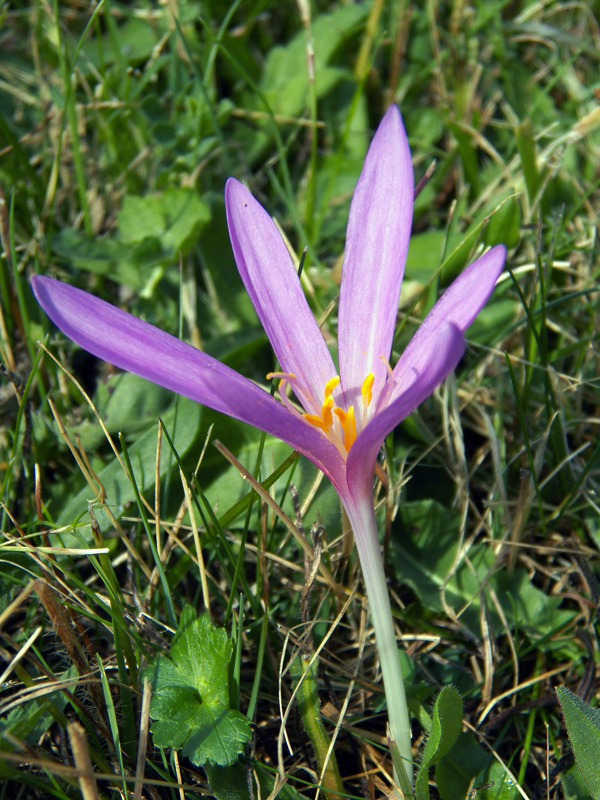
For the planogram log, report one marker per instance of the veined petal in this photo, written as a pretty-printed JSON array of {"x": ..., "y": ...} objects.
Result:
[
  {"x": 377, "y": 239},
  {"x": 134, "y": 345},
  {"x": 434, "y": 367},
  {"x": 274, "y": 287},
  {"x": 459, "y": 304}
]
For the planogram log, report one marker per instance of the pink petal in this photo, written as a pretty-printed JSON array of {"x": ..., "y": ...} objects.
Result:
[
  {"x": 376, "y": 245},
  {"x": 134, "y": 345},
  {"x": 459, "y": 305},
  {"x": 274, "y": 287}
]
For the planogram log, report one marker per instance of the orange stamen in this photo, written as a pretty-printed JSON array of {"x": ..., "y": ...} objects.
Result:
[
  {"x": 315, "y": 420},
  {"x": 348, "y": 423},
  {"x": 326, "y": 412},
  {"x": 367, "y": 389},
  {"x": 285, "y": 375},
  {"x": 330, "y": 386}
]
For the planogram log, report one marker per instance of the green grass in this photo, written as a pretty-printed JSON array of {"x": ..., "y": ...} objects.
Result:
[{"x": 118, "y": 130}]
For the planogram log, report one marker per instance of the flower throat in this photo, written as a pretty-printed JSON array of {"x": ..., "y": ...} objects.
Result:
[{"x": 345, "y": 438}]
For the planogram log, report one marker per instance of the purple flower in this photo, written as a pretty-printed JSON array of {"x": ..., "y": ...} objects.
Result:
[{"x": 344, "y": 417}]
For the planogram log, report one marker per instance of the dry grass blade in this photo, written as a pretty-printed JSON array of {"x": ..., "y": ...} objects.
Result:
[
  {"x": 85, "y": 773},
  {"x": 143, "y": 740},
  {"x": 20, "y": 655},
  {"x": 16, "y": 603},
  {"x": 342, "y": 713},
  {"x": 284, "y": 715},
  {"x": 266, "y": 497},
  {"x": 197, "y": 545},
  {"x": 521, "y": 686}
]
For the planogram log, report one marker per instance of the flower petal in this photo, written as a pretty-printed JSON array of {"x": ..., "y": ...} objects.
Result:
[
  {"x": 377, "y": 239},
  {"x": 274, "y": 287},
  {"x": 459, "y": 304},
  {"x": 434, "y": 367},
  {"x": 134, "y": 345}
]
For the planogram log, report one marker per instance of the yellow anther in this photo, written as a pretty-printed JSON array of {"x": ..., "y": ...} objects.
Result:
[
  {"x": 326, "y": 413},
  {"x": 367, "y": 389},
  {"x": 330, "y": 386},
  {"x": 348, "y": 423},
  {"x": 315, "y": 420},
  {"x": 388, "y": 366},
  {"x": 286, "y": 376}
]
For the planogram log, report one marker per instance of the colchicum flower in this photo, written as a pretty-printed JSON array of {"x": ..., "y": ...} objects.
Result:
[{"x": 345, "y": 415}]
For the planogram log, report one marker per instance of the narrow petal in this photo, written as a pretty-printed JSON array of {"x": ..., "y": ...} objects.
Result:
[
  {"x": 459, "y": 304},
  {"x": 434, "y": 367},
  {"x": 274, "y": 287},
  {"x": 134, "y": 345},
  {"x": 377, "y": 239}
]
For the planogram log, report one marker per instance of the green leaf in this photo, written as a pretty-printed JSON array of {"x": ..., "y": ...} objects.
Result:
[
  {"x": 445, "y": 729},
  {"x": 505, "y": 225},
  {"x": 127, "y": 404},
  {"x": 175, "y": 217},
  {"x": 423, "y": 553},
  {"x": 151, "y": 232},
  {"x": 455, "y": 771},
  {"x": 134, "y": 41},
  {"x": 573, "y": 785},
  {"x": 285, "y": 78},
  {"x": 502, "y": 786},
  {"x": 583, "y": 727},
  {"x": 104, "y": 257},
  {"x": 424, "y": 255},
  {"x": 190, "y": 696}
]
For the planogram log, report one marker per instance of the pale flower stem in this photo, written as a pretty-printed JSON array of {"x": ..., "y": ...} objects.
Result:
[{"x": 362, "y": 519}]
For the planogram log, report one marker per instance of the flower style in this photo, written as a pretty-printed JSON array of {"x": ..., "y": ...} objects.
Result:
[{"x": 344, "y": 416}]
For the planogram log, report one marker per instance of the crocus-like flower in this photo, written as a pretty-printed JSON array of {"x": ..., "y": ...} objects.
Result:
[{"x": 342, "y": 416}]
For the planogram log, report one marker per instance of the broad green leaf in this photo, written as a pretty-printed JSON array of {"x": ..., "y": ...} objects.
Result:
[
  {"x": 183, "y": 420},
  {"x": 445, "y": 729},
  {"x": 236, "y": 349},
  {"x": 151, "y": 232},
  {"x": 285, "y": 77},
  {"x": 573, "y": 785},
  {"x": 134, "y": 41},
  {"x": 140, "y": 218},
  {"x": 175, "y": 216},
  {"x": 502, "y": 786},
  {"x": 583, "y": 727},
  {"x": 423, "y": 553},
  {"x": 455, "y": 771},
  {"x": 504, "y": 226},
  {"x": 424, "y": 125},
  {"x": 493, "y": 319},
  {"x": 424, "y": 255},
  {"x": 228, "y": 783},
  {"x": 106, "y": 257},
  {"x": 190, "y": 696},
  {"x": 127, "y": 404}
]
